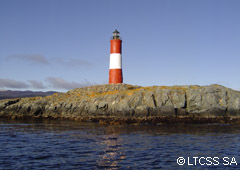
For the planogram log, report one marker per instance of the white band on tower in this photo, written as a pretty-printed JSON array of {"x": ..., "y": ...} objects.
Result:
[{"x": 115, "y": 61}]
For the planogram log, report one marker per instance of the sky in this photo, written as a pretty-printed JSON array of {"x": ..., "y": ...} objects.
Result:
[{"x": 65, "y": 44}]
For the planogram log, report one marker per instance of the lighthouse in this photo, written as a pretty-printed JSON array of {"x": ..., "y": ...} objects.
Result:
[{"x": 115, "y": 66}]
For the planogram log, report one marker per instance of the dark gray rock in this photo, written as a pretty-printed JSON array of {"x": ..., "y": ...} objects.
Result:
[{"x": 123, "y": 100}]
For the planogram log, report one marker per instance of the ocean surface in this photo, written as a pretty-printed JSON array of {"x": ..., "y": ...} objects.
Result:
[{"x": 67, "y": 145}]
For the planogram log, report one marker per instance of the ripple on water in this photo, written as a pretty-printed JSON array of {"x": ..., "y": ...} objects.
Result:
[{"x": 69, "y": 145}]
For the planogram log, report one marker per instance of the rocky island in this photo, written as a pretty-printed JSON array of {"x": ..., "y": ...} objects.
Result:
[{"x": 123, "y": 103}]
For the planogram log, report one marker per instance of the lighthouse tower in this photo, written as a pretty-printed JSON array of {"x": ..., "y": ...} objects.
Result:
[{"x": 115, "y": 67}]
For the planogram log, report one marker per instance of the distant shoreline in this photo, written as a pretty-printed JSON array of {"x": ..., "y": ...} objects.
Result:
[{"x": 10, "y": 94}]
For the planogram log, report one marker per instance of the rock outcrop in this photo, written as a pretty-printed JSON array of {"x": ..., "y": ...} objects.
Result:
[{"x": 130, "y": 103}]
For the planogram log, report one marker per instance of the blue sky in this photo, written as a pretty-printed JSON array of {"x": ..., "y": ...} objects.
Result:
[{"x": 64, "y": 44}]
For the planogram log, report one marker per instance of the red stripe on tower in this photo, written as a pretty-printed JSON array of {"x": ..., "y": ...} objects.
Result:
[{"x": 115, "y": 67}]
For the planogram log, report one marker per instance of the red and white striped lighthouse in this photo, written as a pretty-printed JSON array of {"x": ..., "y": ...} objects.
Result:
[{"x": 115, "y": 67}]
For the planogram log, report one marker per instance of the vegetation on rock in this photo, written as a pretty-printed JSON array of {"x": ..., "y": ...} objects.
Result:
[{"x": 130, "y": 103}]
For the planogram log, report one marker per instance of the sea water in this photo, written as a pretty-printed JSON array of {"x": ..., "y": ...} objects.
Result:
[{"x": 68, "y": 145}]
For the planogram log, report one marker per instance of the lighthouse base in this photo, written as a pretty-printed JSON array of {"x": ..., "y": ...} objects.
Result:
[{"x": 115, "y": 76}]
